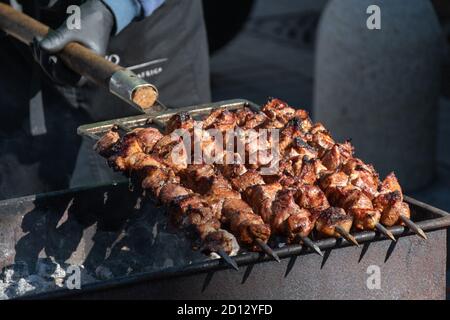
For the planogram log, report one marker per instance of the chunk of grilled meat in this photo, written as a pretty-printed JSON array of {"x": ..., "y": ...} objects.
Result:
[
  {"x": 219, "y": 240},
  {"x": 198, "y": 177},
  {"x": 283, "y": 173},
  {"x": 155, "y": 178},
  {"x": 171, "y": 192},
  {"x": 362, "y": 176},
  {"x": 312, "y": 198},
  {"x": 260, "y": 198},
  {"x": 308, "y": 170},
  {"x": 320, "y": 139},
  {"x": 192, "y": 214},
  {"x": 192, "y": 210},
  {"x": 357, "y": 204},
  {"x": 247, "y": 119},
  {"x": 330, "y": 218},
  {"x": 246, "y": 180},
  {"x": 172, "y": 151},
  {"x": 183, "y": 121},
  {"x": 288, "y": 218},
  {"x": 132, "y": 148},
  {"x": 337, "y": 156},
  {"x": 231, "y": 171},
  {"x": 334, "y": 180},
  {"x": 294, "y": 134},
  {"x": 105, "y": 145},
  {"x": 278, "y": 113},
  {"x": 298, "y": 148},
  {"x": 244, "y": 223},
  {"x": 391, "y": 214},
  {"x": 220, "y": 119},
  {"x": 390, "y": 202}
]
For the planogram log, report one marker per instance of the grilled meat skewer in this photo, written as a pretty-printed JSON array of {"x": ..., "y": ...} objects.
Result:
[
  {"x": 236, "y": 215},
  {"x": 194, "y": 216}
]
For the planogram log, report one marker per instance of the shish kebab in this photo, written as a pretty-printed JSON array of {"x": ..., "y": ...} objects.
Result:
[
  {"x": 388, "y": 206},
  {"x": 318, "y": 138},
  {"x": 199, "y": 214},
  {"x": 273, "y": 202},
  {"x": 300, "y": 222}
]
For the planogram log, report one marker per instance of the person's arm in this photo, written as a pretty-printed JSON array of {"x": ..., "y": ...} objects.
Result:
[
  {"x": 126, "y": 11},
  {"x": 100, "y": 19}
]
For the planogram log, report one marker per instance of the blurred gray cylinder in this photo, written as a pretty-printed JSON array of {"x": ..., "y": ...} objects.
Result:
[{"x": 380, "y": 87}]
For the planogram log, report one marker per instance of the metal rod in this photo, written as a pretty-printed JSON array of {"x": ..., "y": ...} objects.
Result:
[
  {"x": 347, "y": 236},
  {"x": 227, "y": 259},
  {"x": 268, "y": 250},
  {"x": 414, "y": 227},
  {"x": 385, "y": 231},
  {"x": 308, "y": 242}
]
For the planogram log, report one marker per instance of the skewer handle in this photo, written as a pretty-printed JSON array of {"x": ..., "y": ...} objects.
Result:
[{"x": 82, "y": 60}]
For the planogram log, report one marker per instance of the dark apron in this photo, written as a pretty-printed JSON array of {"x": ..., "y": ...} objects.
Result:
[{"x": 168, "y": 49}]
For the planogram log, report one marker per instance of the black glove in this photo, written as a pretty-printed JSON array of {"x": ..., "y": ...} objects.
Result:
[{"x": 97, "y": 23}]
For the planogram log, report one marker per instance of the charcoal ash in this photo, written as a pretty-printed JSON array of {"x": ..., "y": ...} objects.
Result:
[{"x": 16, "y": 280}]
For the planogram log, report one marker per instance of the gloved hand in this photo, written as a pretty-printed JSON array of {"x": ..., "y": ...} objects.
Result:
[{"x": 97, "y": 23}]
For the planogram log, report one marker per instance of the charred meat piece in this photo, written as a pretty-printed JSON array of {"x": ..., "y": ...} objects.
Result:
[
  {"x": 154, "y": 178},
  {"x": 260, "y": 198},
  {"x": 312, "y": 198},
  {"x": 105, "y": 145},
  {"x": 390, "y": 202},
  {"x": 139, "y": 141},
  {"x": 214, "y": 241},
  {"x": 278, "y": 112},
  {"x": 244, "y": 223},
  {"x": 298, "y": 148},
  {"x": 288, "y": 218},
  {"x": 172, "y": 152},
  {"x": 337, "y": 156},
  {"x": 288, "y": 134},
  {"x": 198, "y": 177},
  {"x": 220, "y": 119},
  {"x": 172, "y": 192},
  {"x": 246, "y": 180},
  {"x": 299, "y": 224},
  {"x": 247, "y": 119},
  {"x": 366, "y": 181},
  {"x": 231, "y": 171},
  {"x": 183, "y": 121},
  {"x": 391, "y": 214},
  {"x": 192, "y": 210},
  {"x": 336, "y": 179},
  {"x": 147, "y": 137},
  {"x": 278, "y": 172},
  {"x": 322, "y": 141},
  {"x": 330, "y": 218},
  {"x": 391, "y": 184},
  {"x": 308, "y": 170},
  {"x": 357, "y": 204}
]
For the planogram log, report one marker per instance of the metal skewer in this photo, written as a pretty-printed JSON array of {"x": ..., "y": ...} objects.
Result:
[
  {"x": 347, "y": 236},
  {"x": 227, "y": 259},
  {"x": 308, "y": 242},
  {"x": 414, "y": 227},
  {"x": 385, "y": 231},
  {"x": 268, "y": 250}
]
